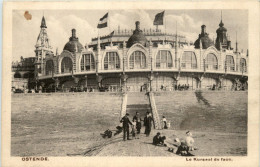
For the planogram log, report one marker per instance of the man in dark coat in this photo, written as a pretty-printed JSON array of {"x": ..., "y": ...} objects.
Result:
[
  {"x": 138, "y": 122},
  {"x": 125, "y": 120},
  {"x": 148, "y": 123},
  {"x": 157, "y": 139}
]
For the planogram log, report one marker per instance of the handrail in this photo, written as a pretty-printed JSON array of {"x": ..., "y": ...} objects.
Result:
[
  {"x": 123, "y": 106},
  {"x": 156, "y": 117}
]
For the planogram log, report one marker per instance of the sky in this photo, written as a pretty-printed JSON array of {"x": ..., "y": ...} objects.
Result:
[{"x": 60, "y": 22}]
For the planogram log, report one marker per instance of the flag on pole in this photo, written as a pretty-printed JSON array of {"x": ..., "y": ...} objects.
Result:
[
  {"x": 103, "y": 21},
  {"x": 158, "y": 20},
  {"x": 112, "y": 34}
]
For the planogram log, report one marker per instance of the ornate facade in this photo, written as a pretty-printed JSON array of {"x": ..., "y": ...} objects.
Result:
[{"x": 141, "y": 60}]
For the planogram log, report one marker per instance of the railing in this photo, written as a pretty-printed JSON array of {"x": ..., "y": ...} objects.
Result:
[
  {"x": 123, "y": 106},
  {"x": 146, "y": 32},
  {"x": 188, "y": 66},
  {"x": 156, "y": 117},
  {"x": 211, "y": 67},
  {"x": 31, "y": 68}
]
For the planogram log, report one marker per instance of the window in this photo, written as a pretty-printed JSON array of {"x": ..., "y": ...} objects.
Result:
[
  {"x": 164, "y": 59},
  {"x": 230, "y": 64},
  {"x": 49, "y": 67},
  {"x": 137, "y": 60},
  {"x": 66, "y": 65},
  {"x": 111, "y": 61},
  {"x": 243, "y": 67},
  {"x": 87, "y": 62},
  {"x": 189, "y": 60},
  {"x": 211, "y": 62}
]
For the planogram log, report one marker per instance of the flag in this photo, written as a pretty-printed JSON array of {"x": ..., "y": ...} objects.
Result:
[
  {"x": 103, "y": 21},
  {"x": 111, "y": 34},
  {"x": 158, "y": 20}
]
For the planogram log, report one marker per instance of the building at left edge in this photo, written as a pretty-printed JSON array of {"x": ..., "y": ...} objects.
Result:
[{"x": 134, "y": 60}]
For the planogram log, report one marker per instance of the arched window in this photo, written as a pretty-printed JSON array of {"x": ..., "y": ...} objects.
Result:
[
  {"x": 49, "y": 67},
  {"x": 137, "y": 60},
  {"x": 111, "y": 61},
  {"x": 17, "y": 75},
  {"x": 66, "y": 65},
  {"x": 230, "y": 64},
  {"x": 87, "y": 62},
  {"x": 189, "y": 60},
  {"x": 211, "y": 62},
  {"x": 243, "y": 67},
  {"x": 28, "y": 75},
  {"x": 164, "y": 59}
]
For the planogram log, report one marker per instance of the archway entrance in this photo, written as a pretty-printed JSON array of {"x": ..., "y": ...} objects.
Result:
[
  {"x": 137, "y": 84},
  {"x": 66, "y": 65}
]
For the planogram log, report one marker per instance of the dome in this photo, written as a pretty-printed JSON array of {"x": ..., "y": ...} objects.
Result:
[
  {"x": 221, "y": 27},
  {"x": 137, "y": 37},
  {"x": 73, "y": 45},
  {"x": 204, "y": 38}
]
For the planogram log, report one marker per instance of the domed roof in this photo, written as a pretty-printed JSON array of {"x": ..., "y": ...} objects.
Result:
[
  {"x": 205, "y": 41},
  {"x": 73, "y": 45},
  {"x": 221, "y": 27},
  {"x": 204, "y": 38},
  {"x": 137, "y": 37}
]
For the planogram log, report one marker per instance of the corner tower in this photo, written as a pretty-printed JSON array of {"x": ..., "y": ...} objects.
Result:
[
  {"x": 42, "y": 48},
  {"x": 204, "y": 40},
  {"x": 221, "y": 40}
]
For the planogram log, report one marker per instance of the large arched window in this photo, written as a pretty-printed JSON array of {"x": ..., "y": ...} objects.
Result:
[
  {"x": 230, "y": 63},
  {"x": 28, "y": 75},
  {"x": 111, "y": 61},
  {"x": 211, "y": 62},
  {"x": 189, "y": 60},
  {"x": 17, "y": 75},
  {"x": 243, "y": 67},
  {"x": 137, "y": 60},
  {"x": 164, "y": 59},
  {"x": 66, "y": 65},
  {"x": 87, "y": 62},
  {"x": 49, "y": 67}
]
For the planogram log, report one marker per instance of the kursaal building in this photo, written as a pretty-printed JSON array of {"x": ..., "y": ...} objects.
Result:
[{"x": 141, "y": 60}]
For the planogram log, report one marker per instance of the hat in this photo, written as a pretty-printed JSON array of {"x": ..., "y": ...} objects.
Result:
[
  {"x": 177, "y": 140},
  {"x": 187, "y": 132},
  {"x": 126, "y": 114}
]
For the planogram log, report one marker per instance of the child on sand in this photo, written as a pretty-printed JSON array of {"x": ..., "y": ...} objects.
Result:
[{"x": 189, "y": 141}]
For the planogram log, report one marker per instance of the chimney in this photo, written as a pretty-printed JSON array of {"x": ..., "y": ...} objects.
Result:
[
  {"x": 203, "y": 29},
  {"x": 137, "y": 25},
  {"x": 73, "y": 33}
]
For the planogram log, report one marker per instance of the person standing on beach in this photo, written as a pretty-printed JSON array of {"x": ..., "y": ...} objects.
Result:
[
  {"x": 164, "y": 123},
  {"x": 138, "y": 120},
  {"x": 148, "y": 123},
  {"x": 125, "y": 120}
]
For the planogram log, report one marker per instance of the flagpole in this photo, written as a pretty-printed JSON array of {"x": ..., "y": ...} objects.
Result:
[
  {"x": 165, "y": 26},
  {"x": 108, "y": 22},
  {"x": 109, "y": 29},
  {"x": 98, "y": 52},
  {"x": 164, "y": 22}
]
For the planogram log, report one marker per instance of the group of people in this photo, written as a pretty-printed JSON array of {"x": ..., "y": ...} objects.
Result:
[
  {"x": 183, "y": 147},
  {"x": 182, "y": 87},
  {"x": 136, "y": 125}
]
